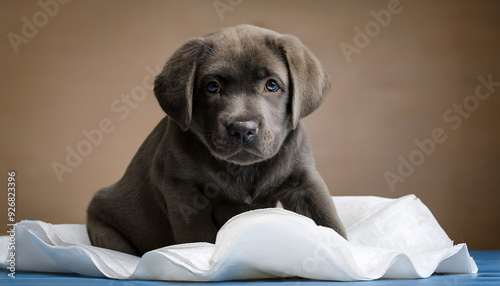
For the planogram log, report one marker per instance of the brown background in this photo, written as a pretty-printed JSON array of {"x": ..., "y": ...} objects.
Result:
[{"x": 396, "y": 90}]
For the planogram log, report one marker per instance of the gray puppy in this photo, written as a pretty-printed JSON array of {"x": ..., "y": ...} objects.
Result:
[{"x": 232, "y": 141}]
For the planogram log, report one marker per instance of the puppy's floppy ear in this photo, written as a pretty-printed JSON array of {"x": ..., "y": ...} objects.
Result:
[
  {"x": 174, "y": 86},
  {"x": 310, "y": 82}
]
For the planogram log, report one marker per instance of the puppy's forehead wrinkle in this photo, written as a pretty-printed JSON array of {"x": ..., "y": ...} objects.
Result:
[
  {"x": 261, "y": 73},
  {"x": 250, "y": 66}
]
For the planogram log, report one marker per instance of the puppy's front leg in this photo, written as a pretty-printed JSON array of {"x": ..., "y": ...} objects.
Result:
[
  {"x": 308, "y": 195},
  {"x": 102, "y": 235},
  {"x": 190, "y": 214}
]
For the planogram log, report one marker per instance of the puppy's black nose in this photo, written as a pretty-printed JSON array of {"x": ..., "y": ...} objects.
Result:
[{"x": 242, "y": 131}]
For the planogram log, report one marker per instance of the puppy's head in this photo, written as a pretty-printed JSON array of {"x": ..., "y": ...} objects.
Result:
[{"x": 241, "y": 90}]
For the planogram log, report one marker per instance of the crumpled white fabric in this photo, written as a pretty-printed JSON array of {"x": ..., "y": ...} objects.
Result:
[{"x": 387, "y": 238}]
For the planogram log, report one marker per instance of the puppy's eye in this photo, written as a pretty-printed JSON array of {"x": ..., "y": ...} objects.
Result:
[
  {"x": 271, "y": 86},
  {"x": 213, "y": 87}
]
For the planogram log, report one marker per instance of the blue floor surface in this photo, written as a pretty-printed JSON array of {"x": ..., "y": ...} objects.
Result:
[{"x": 488, "y": 263}]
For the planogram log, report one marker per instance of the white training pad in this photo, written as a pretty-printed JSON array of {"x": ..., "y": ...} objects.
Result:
[{"x": 388, "y": 238}]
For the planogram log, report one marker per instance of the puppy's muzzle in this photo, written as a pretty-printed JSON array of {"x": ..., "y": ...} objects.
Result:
[{"x": 242, "y": 132}]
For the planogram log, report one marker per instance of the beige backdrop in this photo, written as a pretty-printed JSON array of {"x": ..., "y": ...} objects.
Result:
[{"x": 402, "y": 73}]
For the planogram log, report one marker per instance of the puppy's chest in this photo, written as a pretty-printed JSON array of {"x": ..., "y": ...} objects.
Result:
[
  {"x": 239, "y": 184},
  {"x": 253, "y": 195},
  {"x": 237, "y": 200},
  {"x": 240, "y": 192}
]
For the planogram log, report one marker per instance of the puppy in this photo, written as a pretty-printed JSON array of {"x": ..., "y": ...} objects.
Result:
[{"x": 232, "y": 141}]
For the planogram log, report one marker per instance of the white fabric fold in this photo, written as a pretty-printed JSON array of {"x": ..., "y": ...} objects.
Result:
[{"x": 387, "y": 238}]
